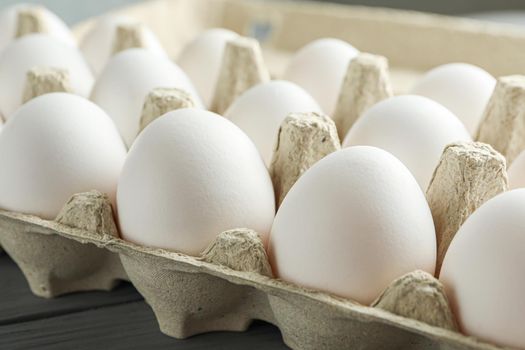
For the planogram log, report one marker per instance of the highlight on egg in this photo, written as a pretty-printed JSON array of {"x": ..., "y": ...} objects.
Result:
[
  {"x": 463, "y": 88},
  {"x": 99, "y": 44},
  {"x": 413, "y": 128},
  {"x": 260, "y": 110},
  {"x": 190, "y": 175},
  {"x": 44, "y": 21},
  {"x": 320, "y": 68},
  {"x": 351, "y": 224},
  {"x": 483, "y": 271},
  {"x": 127, "y": 79},
  {"x": 39, "y": 50},
  {"x": 54, "y": 146},
  {"x": 201, "y": 59}
]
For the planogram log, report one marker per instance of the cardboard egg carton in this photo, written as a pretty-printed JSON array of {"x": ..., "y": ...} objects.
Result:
[{"x": 230, "y": 284}]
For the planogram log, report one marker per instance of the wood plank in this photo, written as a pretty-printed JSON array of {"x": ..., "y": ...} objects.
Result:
[
  {"x": 18, "y": 304},
  {"x": 126, "y": 326}
]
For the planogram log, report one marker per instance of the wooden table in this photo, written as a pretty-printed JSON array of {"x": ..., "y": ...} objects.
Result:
[{"x": 101, "y": 320}]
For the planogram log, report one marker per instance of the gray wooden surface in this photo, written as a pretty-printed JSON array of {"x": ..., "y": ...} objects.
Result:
[{"x": 101, "y": 320}]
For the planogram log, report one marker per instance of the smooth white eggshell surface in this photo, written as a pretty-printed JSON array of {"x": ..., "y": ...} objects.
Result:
[
  {"x": 57, "y": 145},
  {"x": 320, "y": 68},
  {"x": 201, "y": 59},
  {"x": 413, "y": 128},
  {"x": 516, "y": 172},
  {"x": 54, "y": 26},
  {"x": 463, "y": 88},
  {"x": 260, "y": 111},
  {"x": 351, "y": 224},
  {"x": 483, "y": 271},
  {"x": 190, "y": 175},
  {"x": 127, "y": 79},
  {"x": 38, "y": 50},
  {"x": 97, "y": 45}
]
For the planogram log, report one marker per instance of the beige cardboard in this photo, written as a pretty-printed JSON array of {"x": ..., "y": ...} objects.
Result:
[
  {"x": 468, "y": 175},
  {"x": 191, "y": 296},
  {"x": 303, "y": 139}
]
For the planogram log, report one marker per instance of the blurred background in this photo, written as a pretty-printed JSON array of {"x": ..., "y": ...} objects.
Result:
[{"x": 510, "y": 11}]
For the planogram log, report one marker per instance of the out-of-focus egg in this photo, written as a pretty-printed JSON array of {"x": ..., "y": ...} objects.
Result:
[
  {"x": 483, "y": 271},
  {"x": 516, "y": 172},
  {"x": 52, "y": 24},
  {"x": 127, "y": 79},
  {"x": 320, "y": 68},
  {"x": 38, "y": 50},
  {"x": 351, "y": 224},
  {"x": 190, "y": 175},
  {"x": 413, "y": 128},
  {"x": 260, "y": 111},
  {"x": 57, "y": 145},
  {"x": 462, "y": 88},
  {"x": 98, "y": 44},
  {"x": 201, "y": 59}
]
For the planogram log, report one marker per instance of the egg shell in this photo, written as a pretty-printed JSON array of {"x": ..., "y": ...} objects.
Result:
[
  {"x": 463, "y": 88},
  {"x": 483, "y": 271},
  {"x": 201, "y": 59},
  {"x": 413, "y": 128},
  {"x": 260, "y": 111},
  {"x": 516, "y": 172},
  {"x": 122, "y": 87},
  {"x": 351, "y": 224},
  {"x": 54, "y": 26},
  {"x": 189, "y": 176},
  {"x": 320, "y": 68},
  {"x": 38, "y": 50},
  {"x": 54, "y": 146},
  {"x": 97, "y": 45}
]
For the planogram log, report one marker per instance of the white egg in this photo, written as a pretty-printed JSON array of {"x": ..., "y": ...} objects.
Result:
[
  {"x": 38, "y": 50},
  {"x": 483, "y": 271},
  {"x": 190, "y": 175},
  {"x": 415, "y": 129},
  {"x": 516, "y": 172},
  {"x": 127, "y": 79},
  {"x": 351, "y": 224},
  {"x": 462, "y": 88},
  {"x": 54, "y": 146},
  {"x": 201, "y": 59},
  {"x": 98, "y": 44},
  {"x": 260, "y": 111},
  {"x": 320, "y": 68},
  {"x": 53, "y": 25}
]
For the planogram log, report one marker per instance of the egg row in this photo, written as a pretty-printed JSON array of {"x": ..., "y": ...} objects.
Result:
[{"x": 350, "y": 225}]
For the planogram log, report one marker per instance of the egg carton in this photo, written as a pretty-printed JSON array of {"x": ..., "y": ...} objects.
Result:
[
  {"x": 192, "y": 295},
  {"x": 231, "y": 284}
]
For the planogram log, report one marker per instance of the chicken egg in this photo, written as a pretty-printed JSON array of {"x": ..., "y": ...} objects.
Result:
[
  {"x": 413, "y": 128},
  {"x": 54, "y": 146},
  {"x": 352, "y": 223},
  {"x": 483, "y": 271},
  {"x": 201, "y": 59},
  {"x": 320, "y": 68},
  {"x": 463, "y": 88},
  {"x": 98, "y": 44},
  {"x": 127, "y": 79},
  {"x": 38, "y": 50},
  {"x": 190, "y": 175},
  {"x": 259, "y": 111},
  {"x": 52, "y": 24}
]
